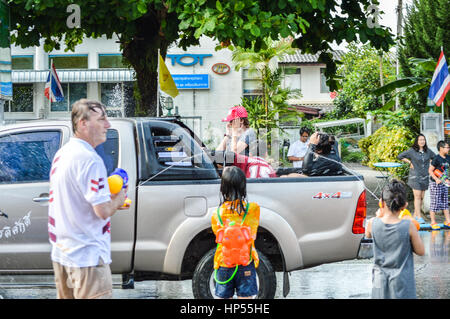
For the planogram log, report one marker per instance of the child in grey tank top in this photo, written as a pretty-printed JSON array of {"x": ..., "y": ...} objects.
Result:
[{"x": 394, "y": 241}]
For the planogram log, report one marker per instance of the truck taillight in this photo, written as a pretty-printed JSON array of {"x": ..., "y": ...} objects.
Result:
[{"x": 360, "y": 215}]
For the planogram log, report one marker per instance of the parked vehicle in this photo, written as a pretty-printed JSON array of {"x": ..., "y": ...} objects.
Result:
[{"x": 174, "y": 187}]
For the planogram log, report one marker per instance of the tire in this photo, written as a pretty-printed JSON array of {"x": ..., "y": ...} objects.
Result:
[{"x": 203, "y": 281}]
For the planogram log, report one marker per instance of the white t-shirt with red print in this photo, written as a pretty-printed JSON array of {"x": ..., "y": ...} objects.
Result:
[{"x": 78, "y": 182}]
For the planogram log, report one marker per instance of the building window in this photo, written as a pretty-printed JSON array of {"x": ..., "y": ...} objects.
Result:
[
  {"x": 111, "y": 61},
  {"x": 69, "y": 61},
  {"x": 22, "y": 99},
  {"x": 117, "y": 97},
  {"x": 22, "y": 62},
  {"x": 323, "y": 82},
  {"x": 251, "y": 84},
  {"x": 292, "y": 78},
  {"x": 72, "y": 92}
]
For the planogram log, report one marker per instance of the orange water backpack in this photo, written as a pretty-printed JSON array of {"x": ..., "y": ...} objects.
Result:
[{"x": 236, "y": 243}]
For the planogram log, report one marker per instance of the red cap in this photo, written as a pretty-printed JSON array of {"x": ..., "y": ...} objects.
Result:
[{"x": 235, "y": 112}]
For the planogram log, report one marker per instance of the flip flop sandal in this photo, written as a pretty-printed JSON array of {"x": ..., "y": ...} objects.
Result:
[{"x": 435, "y": 227}]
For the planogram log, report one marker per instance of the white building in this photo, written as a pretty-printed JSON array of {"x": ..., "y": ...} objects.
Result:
[{"x": 95, "y": 71}]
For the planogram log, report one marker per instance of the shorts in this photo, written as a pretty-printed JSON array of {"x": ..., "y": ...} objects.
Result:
[
  {"x": 83, "y": 283},
  {"x": 438, "y": 197},
  {"x": 244, "y": 282},
  {"x": 418, "y": 183}
]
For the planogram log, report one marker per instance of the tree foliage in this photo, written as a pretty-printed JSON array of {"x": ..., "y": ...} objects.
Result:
[
  {"x": 360, "y": 74},
  {"x": 425, "y": 32},
  {"x": 144, "y": 26},
  {"x": 408, "y": 86},
  {"x": 263, "y": 65}
]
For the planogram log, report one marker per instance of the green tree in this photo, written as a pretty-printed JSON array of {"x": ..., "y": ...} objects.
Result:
[
  {"x": 263, "y": 64},
  {"x": 144, "y": 26},
  {"x": 268, "y": 111},
  {"x": 425, "y": 32},
  {"x": 423, "y": 70},
  {"x": 279, "y": 110},
  {"x": 360, "y": 74}
]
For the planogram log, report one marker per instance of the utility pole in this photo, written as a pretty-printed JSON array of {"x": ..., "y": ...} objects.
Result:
[
  {"x": 5, "y": 60},
  {"x": 399, "y": 34},
  {"x": 381, "y": 74}
]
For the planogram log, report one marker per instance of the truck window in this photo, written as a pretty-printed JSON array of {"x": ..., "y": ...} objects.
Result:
[
  {"x": 177, "y": 156},
  {"x": 27, "y": 157},
  {"x": 109, "y": 151}
]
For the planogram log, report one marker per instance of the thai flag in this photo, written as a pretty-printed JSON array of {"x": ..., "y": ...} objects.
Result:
[
  {"x": 54, "y": 84},
  {"x": 440, "y": 84}
]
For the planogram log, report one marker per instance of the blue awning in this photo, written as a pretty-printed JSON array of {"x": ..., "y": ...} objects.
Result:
[{"x": 73, "y": 76}]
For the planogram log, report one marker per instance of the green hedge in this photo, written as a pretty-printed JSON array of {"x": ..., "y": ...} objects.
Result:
[{"x": 385, "y": 145}]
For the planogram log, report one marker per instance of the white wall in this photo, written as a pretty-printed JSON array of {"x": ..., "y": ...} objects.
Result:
[
  {"x": 225, "y": 90},
  {"x": 311, "y": 85}
]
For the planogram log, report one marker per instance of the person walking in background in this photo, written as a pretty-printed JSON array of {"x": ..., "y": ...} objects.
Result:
[
  {"x": 418, "y": 157},
  {"x": 297, "y": 150},
  {"x": 80, "y": 208},
  {"x": 239, "y": 137},
  {"x": 235, "y": 209},
  {"x": 438, "y": 190},
  {"x": 394, "y": 241}
]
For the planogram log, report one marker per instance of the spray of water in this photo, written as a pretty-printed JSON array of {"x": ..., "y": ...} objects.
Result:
[
  {"x": 199, "y": 154},
  {"x": 169, "y": 167},
  {"x": 351, "y": 172}
]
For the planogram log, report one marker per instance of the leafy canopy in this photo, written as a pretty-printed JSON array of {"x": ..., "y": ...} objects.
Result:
[
  {"x": 144, "y": 26},
  {"x": 426, "y": 30},
  {"x": 360, "y": 74}
]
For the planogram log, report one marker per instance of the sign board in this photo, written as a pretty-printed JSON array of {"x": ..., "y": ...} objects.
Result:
[
  {"x": 191, "y": 81},
  {"x": 187, "y": 59},
  {"x": 221, "y": 68},
  {"x": 5, "y": 54}
]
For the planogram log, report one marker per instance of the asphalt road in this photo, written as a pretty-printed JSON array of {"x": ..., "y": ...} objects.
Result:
[{"x": 342, "y": 280}]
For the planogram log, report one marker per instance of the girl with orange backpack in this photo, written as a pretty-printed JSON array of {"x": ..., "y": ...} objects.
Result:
[{"x": 235, "y": 224}]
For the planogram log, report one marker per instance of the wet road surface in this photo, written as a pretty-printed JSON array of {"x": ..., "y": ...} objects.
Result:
[{"x": 342, "y": 280}]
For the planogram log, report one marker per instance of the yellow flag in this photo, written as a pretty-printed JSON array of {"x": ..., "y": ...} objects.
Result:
[{"x": 166, "y": 82}]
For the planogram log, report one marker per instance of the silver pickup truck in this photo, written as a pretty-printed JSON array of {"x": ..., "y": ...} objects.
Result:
[{"x": 166, "y": 234}]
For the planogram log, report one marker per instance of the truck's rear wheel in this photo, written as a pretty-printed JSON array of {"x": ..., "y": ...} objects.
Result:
[{"x": 203, "y": 280}]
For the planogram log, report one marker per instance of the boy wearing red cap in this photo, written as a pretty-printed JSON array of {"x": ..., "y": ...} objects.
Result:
[{"x": 239, "y": 136}]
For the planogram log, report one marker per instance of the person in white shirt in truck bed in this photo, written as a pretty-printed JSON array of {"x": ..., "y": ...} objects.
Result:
[
  {"x": 80, "y": 207},
  {"x": 297, "y": 150}
]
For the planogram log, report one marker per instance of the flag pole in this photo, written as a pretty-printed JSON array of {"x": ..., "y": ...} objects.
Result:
[
  {"x": 442, "y": 108},
  {"x": 157, "y": 89},
  {"x": 50, "y": 90}
]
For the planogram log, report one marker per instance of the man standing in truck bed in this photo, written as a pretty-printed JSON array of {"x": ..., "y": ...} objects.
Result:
[{"x": 80, "y": 208}]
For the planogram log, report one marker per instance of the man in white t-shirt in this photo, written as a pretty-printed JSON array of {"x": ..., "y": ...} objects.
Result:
[
  {"x": 298, "y": 149},
  {"x": 80, "y": 207}
]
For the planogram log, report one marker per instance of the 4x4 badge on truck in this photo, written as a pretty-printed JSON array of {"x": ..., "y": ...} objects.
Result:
[{"x": 337, "y": 195}]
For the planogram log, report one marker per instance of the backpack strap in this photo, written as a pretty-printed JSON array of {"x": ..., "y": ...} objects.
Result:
[
  {"x": 243, "y": 218},
  {"x": 218, "y": 216},
  {"x": 245, "y": 214}
]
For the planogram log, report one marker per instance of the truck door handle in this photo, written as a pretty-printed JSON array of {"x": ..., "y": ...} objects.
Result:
[{"x": 43, "y": 198}]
